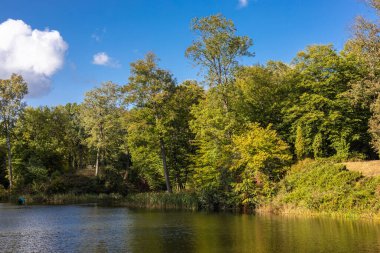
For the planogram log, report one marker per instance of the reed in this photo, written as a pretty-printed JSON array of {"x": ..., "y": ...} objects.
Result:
[{"x": 161, "y": 200}]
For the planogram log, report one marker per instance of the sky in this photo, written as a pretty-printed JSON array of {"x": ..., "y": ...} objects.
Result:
[{"x": 65, "y": 48}]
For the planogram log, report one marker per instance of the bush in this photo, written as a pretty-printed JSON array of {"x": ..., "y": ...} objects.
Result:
[
  {"x": 112, "y": 180},
  {"x": 325, "y": 186},
  {"x": 3, "y": 193}
]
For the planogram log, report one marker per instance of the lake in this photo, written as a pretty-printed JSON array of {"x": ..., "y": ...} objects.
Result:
[{"x": 91, "y": 228}]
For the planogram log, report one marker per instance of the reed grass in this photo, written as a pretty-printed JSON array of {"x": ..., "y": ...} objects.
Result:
[{"x": 161, "y": 200}]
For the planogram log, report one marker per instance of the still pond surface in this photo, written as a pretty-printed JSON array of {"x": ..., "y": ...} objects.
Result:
[{"x": 90, "y": 228}]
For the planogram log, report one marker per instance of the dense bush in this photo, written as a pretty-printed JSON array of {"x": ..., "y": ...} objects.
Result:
[{"x": 329, "y": 187}]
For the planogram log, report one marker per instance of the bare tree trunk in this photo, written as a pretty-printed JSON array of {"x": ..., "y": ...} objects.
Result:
[
  {"x": 97, "y": 162},
  {"x": 166, "y": 172},
  {"x": 9, "y": 160}
]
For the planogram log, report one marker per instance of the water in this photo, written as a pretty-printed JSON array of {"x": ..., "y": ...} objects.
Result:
[{"x": 99, "y": 229}]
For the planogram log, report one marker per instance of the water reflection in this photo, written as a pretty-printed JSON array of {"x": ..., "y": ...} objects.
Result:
[{"x": 99, "y": 229}]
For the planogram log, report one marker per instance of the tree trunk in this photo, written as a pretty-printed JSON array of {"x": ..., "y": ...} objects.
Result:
[
  {"x": 166, "y": 172},
  {"x": 97, "y": 162},
  {"x": 126, "y": 169},
  {"x": 9, "y": 160}
]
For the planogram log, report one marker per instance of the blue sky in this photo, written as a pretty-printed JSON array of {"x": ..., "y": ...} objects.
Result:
[{"x": 126, "y": 30}]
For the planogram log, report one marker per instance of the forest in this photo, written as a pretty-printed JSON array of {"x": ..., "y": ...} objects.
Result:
[{"x": 242, "y": 136}]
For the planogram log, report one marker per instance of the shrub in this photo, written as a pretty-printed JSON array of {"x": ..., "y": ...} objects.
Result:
[{"x": 326, "y": 186}]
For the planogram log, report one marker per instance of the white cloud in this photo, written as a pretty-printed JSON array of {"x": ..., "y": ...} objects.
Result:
[
  {"x": 243, "y": 3},
  {"x": 34, "y": 54},
  {"x": 103, "y": 59}
]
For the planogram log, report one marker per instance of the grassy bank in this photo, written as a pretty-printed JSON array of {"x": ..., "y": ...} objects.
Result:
[
  {"x": 151, "y": 200},
  {"x": 62, "y": 199},
  {"x": 326, "y": 188},
  {"x": 310, "y": 188}
]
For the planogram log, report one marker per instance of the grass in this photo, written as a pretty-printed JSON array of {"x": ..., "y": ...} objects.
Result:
[
  {"x": 326, "y": 188},
  {"x": 310, "y": 188},
  {"x": 157, "y": 200},
  {"x": 64, "y": 199},
  {"x": 150, "y": 200},
  {"x": 367, "y": 168}
]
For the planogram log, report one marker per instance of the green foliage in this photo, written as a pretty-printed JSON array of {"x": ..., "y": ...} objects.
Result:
[
  {"x": 159, "y": 200},
  {"x": 179, "y": 135},
  {"x": 262, "y": 91},
  {"x": 374, "y": 123},
  {"x": 218, "y": 48},
  {"x": 213, "y": 128},
  {"x": 12, "y": 92},
  {"x": 261, "y": 158},
  {"x": 112, "y": 181},
  {"x": 299, "y": 145},
  {"x": 318, "y": 146},
  {"x": 150, "y": 90},
  {"x": 231, "y": 143},
  {"x": 326, "y": 186},
  {"x": 321, "y": 107},
  {"x": 100, "y": 116},
  {"x": 364, "y": 49},
  {"x": 3, "y": 193}
]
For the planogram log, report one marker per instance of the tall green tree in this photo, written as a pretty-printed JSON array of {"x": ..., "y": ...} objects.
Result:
[
  {"x": 149, "y": 89},
  {"x": 364, "y": 48},
  {"x": 263, "y": 91},
  {"x": 216, "y": 119},
  {"x": 179, "y": 134},
  {"x": 101, "y": 118},
  {"x": 217, "y": 50},
  {"x": 40, "y": 141},
  {"x": 12, "y": 92},
  {"x": 322, "y": 77}
]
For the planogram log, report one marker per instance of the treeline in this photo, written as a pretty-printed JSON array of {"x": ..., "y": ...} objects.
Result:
[{"x": 230, "y": 138}]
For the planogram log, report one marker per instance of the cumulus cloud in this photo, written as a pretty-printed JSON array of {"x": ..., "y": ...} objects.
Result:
[
  {"x": 243, "y": 3},
  {"x": 36, "y": 55},
  {"x": 103, "y": 59}
]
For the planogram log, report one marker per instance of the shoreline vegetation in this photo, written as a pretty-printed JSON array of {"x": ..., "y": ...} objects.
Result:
[
  {"x": 311, "y": 188},
  {"x": 282, "y": 138}
]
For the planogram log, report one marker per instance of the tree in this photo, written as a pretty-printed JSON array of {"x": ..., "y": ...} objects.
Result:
[
  {"x": 261, "y": 158},
  {"x": 318, "y": 146},
  {"x": 364, "y": 49},
  {"x": 150, "y": 89},
  {"x": 263, "y": 91},
  {"x": 217, "y": 50},
  {"x": 179, "y": 134},
  {"x": 100, "y": 114},
  {"x": 12, "y": 92},
  {"x": 299, "y": 144},
  {"x": 322, "y": 77},
  {"x": 375, "y": 4},
  {"x": 215, "y": 119},
  {"x": 74, "y": 137}
]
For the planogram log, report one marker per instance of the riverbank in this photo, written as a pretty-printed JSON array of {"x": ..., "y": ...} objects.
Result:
[
  {"x": 310, "y": 188},
  {"x": 150, "y": 200},
  {"x": 327, "y": 188}
]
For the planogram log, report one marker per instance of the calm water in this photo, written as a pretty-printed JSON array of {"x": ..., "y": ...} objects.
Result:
[{"x": 99, "y": 229}]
